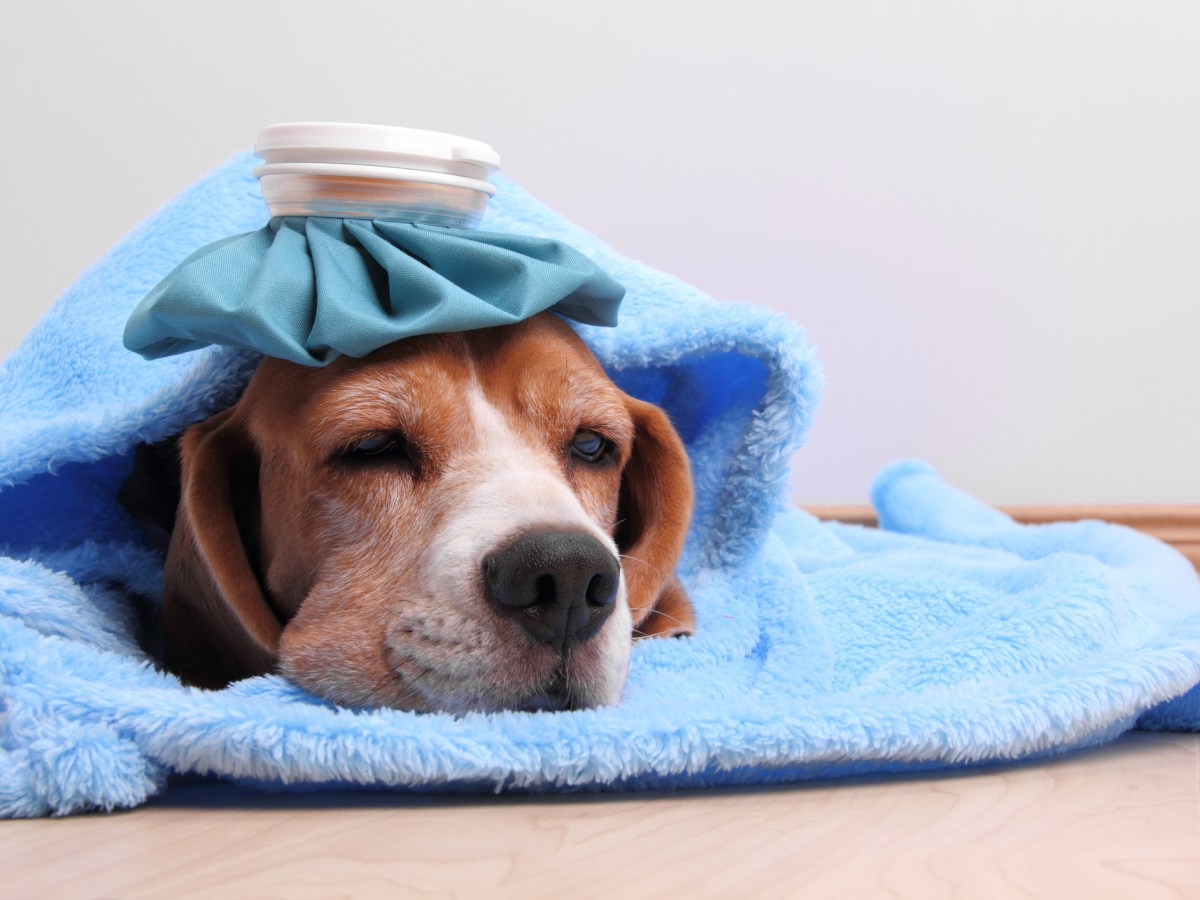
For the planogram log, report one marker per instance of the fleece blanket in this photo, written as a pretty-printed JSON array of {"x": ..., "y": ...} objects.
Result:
[{"x": 950, "y": 636}]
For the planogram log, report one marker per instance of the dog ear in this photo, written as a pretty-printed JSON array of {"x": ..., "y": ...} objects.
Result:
[
  {"x": 150, "y": 493},
  {"x": 217, "y": 624},
  {"x": 654, "y": 514}
]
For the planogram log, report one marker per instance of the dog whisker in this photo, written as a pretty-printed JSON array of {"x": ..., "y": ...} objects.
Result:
[
  {"x": 408, "y": 683},
  {"x": 411, "y": 684},
  {"x": 638, "y": 633},
  {"x": 642, "y": 562},
  {"x": 388, "y": 676}
]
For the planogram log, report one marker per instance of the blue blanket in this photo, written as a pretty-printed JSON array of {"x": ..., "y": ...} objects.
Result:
[{"x": 950, "y": 636}]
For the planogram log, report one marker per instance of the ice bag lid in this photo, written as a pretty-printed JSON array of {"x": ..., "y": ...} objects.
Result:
[{"x": 346, "y": 169}]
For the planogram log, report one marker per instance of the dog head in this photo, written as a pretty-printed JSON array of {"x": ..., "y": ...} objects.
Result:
[{"x": 469, "y": 521}]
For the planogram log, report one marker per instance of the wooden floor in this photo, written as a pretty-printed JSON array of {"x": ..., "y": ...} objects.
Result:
[{"x": 1117, "y": 821}]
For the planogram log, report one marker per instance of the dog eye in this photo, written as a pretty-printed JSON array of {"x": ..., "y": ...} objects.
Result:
[
  {"x": 589, "y": 446},
  {"x": 383, "y": 446}
]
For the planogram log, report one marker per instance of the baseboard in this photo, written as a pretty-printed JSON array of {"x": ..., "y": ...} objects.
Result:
[{"x": 1176, "y": 523}]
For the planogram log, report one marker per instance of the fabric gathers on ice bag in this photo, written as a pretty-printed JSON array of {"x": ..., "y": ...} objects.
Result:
[
  {"x": 309, "y": 289},
  {"x": 371, "y": 240}
]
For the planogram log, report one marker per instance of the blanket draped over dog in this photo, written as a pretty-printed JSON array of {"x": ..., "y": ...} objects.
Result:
[{"x": 950, "y": 636}]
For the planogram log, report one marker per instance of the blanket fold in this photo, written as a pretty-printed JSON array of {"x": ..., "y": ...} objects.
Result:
[{"x": 949, "y": 636}]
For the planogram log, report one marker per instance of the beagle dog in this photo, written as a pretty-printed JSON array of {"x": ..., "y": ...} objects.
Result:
[{"x": 469, "y": 521}]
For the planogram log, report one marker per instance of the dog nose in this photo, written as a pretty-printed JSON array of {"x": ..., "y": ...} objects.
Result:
[{"x": 560, "y": 585}]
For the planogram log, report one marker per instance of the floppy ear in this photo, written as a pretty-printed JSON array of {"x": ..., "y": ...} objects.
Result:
[
  {"x": 217, "y": 624},
  {"x": 655, "y": 510}
]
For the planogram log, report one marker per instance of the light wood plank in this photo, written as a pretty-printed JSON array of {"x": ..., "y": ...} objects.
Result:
[{"x": 1123, "y": 820}]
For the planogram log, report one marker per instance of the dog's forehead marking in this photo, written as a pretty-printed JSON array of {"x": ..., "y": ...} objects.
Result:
[
  {"x": 543, "y": 380},
  {"x": 510, "y": 474},
  {"x": 494, "y": 434}
]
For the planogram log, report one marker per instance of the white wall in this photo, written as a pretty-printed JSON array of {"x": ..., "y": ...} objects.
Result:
[{"x": 988, "y": 216}]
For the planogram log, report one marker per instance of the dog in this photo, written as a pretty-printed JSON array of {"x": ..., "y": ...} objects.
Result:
[{"x": 473, "y": 521}]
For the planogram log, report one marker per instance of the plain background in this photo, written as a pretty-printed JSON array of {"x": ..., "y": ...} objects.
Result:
[{"x": 987, "y": 215}]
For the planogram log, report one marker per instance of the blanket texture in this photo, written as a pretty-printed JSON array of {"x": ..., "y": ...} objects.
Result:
[{"x": 950, "y": 636}]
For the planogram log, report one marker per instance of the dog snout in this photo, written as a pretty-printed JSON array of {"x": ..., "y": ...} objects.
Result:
[{"x": 559, "y": 585}]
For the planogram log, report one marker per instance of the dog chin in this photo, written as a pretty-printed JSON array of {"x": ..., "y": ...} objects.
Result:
[
  {"x": 589, "y": 676},
  {"x": 562, "y": 691},
  {"x": 550, "y": 699}
]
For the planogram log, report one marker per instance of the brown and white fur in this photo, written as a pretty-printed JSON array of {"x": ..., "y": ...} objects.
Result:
[{"x": 428, "y": 528}]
